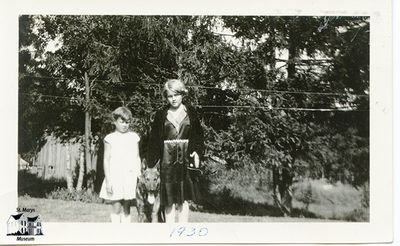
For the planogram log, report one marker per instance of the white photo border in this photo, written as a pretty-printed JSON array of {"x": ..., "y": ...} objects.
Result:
[{"x": 380, "y": 227}]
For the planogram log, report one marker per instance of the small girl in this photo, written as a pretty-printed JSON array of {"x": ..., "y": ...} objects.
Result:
[{"x": 121, "y": 166}]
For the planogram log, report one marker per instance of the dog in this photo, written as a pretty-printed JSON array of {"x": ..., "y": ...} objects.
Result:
[{"x": 148, "y": 196}]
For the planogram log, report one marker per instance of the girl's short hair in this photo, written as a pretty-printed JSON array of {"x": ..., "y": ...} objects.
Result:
[
  {"x": 122, "y": 112},
  {"x": 174, "y": 85}
]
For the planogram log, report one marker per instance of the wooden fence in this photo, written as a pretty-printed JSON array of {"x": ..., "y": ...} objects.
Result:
[{"x": 56, "y": 159}]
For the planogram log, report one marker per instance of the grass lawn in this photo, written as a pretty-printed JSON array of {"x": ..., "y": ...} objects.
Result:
[{"x": 52, "y": 210}]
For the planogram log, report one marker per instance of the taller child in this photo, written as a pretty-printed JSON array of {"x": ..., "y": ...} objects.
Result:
[{"x": 176, "y": 140}]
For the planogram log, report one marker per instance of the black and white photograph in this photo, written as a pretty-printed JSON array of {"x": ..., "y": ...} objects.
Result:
[
  {"x": 242, "y": 118},
  {"x": 193, "y": 121}
]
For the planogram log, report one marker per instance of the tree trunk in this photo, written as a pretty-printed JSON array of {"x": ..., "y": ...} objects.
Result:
[
  {"x": 69, "y": 173},
  {"x": 87, "y": 123},
  {"x": 286, "y": 191},
  {"x": 59, "y": 172},
  {"x": 49, "y": 158},
  {"x": 283, "y": 178},
  {"x": 81, "y": 169},
  {"x": 282, "y": 189},
  {"x": 273, "y": 52},
  {"x": 292, "y": 49}
]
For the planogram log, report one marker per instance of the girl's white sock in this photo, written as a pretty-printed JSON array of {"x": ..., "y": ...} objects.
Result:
[
  {"x": 125, "y": 218},
  {"x": 170, "y": 214},
  {"x": 183, "y": 212},
  {"x": 115, "y": 218}
]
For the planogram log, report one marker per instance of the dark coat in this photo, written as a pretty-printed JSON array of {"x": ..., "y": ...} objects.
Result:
[{"x": 155, "y": 143}]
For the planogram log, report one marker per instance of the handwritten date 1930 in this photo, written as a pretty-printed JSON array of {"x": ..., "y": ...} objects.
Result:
[{"x": 184, "y": 231}]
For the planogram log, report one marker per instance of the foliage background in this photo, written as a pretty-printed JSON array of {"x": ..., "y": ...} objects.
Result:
[{"x": 282, "y": 99}]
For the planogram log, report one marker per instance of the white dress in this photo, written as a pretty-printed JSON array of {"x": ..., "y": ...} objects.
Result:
[{"x": 124, "y": 166}]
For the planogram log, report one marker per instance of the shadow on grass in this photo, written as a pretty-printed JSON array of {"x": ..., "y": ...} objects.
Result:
[
  {"x": 224, "y": 203},
  {"x": 30, "y": 184},
  {"x": 303, "y": 213}
]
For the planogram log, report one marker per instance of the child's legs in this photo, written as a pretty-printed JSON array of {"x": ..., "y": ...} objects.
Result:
[
  {"x": 126, "y": 205},
  {"x": 115, "y": 212},
  {"x": 116, "y": 207},
  {"x": 183, "y": 212},
  {"x": 170, "y": 214}
]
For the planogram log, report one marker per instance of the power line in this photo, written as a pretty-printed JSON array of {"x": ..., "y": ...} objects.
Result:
[
  {"x": 98, "y": 80},
  {"x": 42, "y": 77},
  {"x": 283, "y": 91},
  {"x": 216, "y": 106},
  {"x": 217, "y": 88},
  {"x": 49, "y": 96},
  {"x": 280, "y": 108}
]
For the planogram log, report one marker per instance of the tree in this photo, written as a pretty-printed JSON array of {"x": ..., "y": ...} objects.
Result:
[
  {"x": 101, "y": 63},
  {"x": 322, "y": 57}
]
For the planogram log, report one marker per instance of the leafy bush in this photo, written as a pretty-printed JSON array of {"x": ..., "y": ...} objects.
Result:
[
  {"x": 340, "y": 156},
  {"x": 248, "y": 182},
  {"x": 246, "y": 190},
  {"x": 84, "y": 195},
  {"x": 32, "y": 185},
  {"x": 305, "y": 195}
]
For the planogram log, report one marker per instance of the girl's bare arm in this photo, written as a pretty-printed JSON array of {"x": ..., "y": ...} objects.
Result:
[{"x": 106, "y": 163}]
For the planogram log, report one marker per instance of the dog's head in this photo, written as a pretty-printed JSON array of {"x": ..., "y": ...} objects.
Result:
[{"x": 150, "y": 184}]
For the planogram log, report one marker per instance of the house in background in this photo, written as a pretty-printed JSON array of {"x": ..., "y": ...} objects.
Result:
[
  {"x": 17, "y": 225},
  {"x": 21, "y": 225}
]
